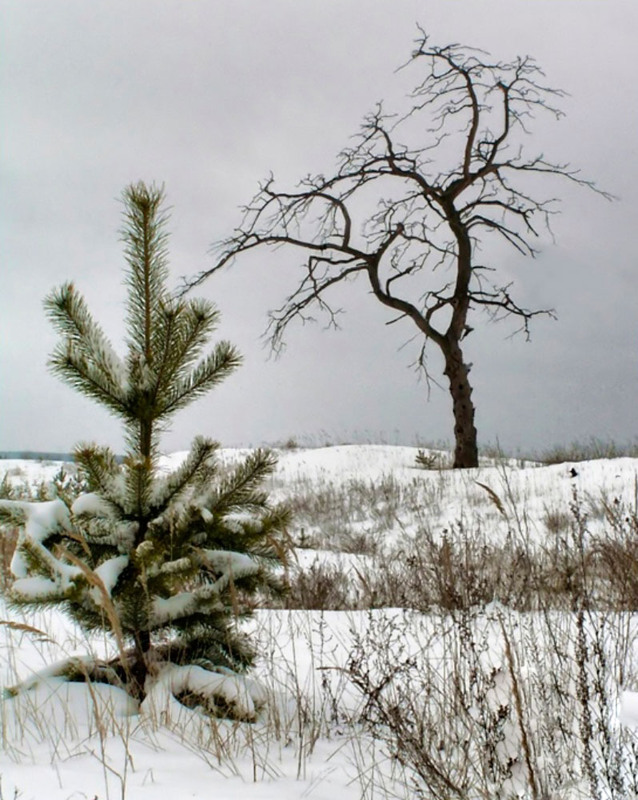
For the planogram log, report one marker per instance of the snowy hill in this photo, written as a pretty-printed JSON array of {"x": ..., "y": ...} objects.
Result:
[{"x": 408, "y": 669}]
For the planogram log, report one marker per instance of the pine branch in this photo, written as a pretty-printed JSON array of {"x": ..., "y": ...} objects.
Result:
[
  {"x": 85, "y": 359},
  {"x": 88, "y": 378},
  {"x": 145, "y": 242},
  {"x": 208, "y": 373},
  {"x": 199, "y": 465},
  {"x": 138, "y": 482},
  {"x": 12, "y": 512},
  {"x": 183, "y": 331},
  {"x": 102, "y": 471},
  {"x": 239, "y": 491}
]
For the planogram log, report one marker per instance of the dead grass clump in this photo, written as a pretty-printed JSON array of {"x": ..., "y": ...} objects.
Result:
[
  {"x": 321, "y": 587},
  {"x": 432, "y": 460},
  {"x": 587, "y": 451},
  {"x": 556, "y": 521},
  {"x": 449, "y": 573},
  {"x": 487, "y": 703},
  {"x": 459, "y": 569}
]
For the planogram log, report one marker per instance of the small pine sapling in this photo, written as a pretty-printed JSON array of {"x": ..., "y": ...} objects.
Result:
[{"x": 167, "y": 563}]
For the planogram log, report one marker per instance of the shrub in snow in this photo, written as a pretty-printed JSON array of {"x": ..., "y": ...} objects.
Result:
[{"x": 166, "y": 563}]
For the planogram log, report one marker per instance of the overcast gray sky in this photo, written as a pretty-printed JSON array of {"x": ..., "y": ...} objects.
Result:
[{"x": 208, "y": 97}]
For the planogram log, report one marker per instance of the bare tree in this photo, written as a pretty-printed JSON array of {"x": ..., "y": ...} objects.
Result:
[{"x": 411, "y": 218}]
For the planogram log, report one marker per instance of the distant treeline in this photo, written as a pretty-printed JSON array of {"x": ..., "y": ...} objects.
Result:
[{"x": 30, "y": 455}]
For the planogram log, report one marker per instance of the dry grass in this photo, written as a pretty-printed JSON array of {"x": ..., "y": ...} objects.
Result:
[
  {"x": 500, "y": 676},
  {"x": 587, "y": 451}
]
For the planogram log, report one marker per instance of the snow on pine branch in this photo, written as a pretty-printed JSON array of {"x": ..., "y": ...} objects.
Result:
[
  {"x": 232, "y": 566},
  {"x": 40, "y": 521},
  {"x": 243, "y": 695}
]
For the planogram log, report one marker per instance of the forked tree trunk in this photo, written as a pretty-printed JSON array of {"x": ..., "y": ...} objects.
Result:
[{"x": 465, "y": 437}]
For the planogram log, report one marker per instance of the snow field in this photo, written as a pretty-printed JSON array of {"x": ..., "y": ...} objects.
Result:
[{"x": 365, "y": 704}]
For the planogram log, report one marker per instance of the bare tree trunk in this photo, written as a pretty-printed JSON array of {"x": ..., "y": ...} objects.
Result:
[
  {"x": 465, "y": 437},
  {"x": 430, "y": 223}
]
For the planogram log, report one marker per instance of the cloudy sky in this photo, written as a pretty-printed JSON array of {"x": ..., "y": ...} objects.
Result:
[{"x": 208, "y": 97}]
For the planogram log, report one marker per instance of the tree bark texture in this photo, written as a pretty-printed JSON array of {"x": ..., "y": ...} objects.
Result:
[{"x": 465, "y": 434}]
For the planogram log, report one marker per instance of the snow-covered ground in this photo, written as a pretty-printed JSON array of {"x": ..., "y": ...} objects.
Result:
[{"x": 487, "y": 676}]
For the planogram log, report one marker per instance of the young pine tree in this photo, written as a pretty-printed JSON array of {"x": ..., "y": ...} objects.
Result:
[{"x": 167, "y": 563}]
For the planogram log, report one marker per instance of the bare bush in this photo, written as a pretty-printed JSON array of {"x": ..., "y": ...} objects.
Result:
[
  {"x": 485, "y": 703},
  {"x": 590, "y": 450},
  {"x": 321, "y": 587}
]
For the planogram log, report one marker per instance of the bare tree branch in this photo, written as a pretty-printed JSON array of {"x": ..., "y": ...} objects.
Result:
[{"x": 409, "y": 217}]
